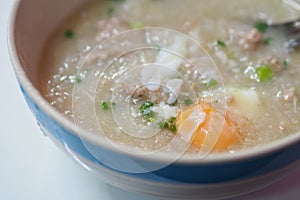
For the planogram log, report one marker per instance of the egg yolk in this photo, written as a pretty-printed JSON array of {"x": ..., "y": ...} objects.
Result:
[{"x": 205, "y": 127}]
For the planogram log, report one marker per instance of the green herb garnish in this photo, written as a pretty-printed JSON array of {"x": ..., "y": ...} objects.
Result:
[
  {"x": 221, "y": 43},
  {"x": 173, "y": 128},
  {"x": 170, "y": 126},
  {"x": 163, "y": 125},
  {"x": 172, "y": 120},
  {"x": 188, "y": 101},
  {"x": 110, "y": 10},
  {"x": 74, "y": 79},
  {"x": 69, "y": 34},
  {"x": 151, "y": 119},
  {"x": 267, "y": 40},
  {"x": 78, "y": 80},
  {"x": 146, "y": 112},
  {"x": 145, "y": 106},
  {"x": 210, "y": 83},
  {"x": 285, "y": 64},
  {"x": 104, "y": 105},
  {"x": 261, "y": 27},
  {"x": 149, "y": 114},
  {"x": 264, "y": 73}
]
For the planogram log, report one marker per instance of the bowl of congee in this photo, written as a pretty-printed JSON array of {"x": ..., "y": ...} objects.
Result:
[{"x": 175, "y": 99}]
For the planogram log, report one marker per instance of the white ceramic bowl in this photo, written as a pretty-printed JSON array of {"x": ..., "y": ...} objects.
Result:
[{"x": 224, "y": 175}]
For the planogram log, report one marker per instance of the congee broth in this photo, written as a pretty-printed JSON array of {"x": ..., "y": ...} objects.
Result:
[{"x": 167, "y": 74}]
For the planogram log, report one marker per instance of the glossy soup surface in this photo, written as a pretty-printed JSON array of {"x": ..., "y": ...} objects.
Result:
[{"x": 209, "y": 76}]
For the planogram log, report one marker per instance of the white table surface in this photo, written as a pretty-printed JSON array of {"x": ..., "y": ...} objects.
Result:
[{"x": 33, "y": 168}]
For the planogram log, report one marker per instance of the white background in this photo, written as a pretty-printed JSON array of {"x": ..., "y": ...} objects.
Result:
[{"x": 32, "y": 168}]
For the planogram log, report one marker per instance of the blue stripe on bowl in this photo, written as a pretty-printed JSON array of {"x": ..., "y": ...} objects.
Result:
[{"x": 189, "y": 173}]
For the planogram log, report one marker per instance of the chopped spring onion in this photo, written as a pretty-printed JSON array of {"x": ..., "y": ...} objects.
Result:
[
  {"x": 285, "y": 64},
  {"x": 145, "y": 107},
  {"x": 110, "y": 10},
  {"x": 261, "y": 27},
  {"x": 210, "y": 83},
  {"x": 187, "y": 101},
  {"x": 173, "y": 128},
  {"x": 163, "y": 125},
  {"x": 69, "y": 34},
  {"x": 172, "y": 120},
  {"x": 146, "y": 112},
  {"x": 104, "y": 105},
  {"x": 170, "y": 126},
  {"x": 151, "y": 119},
  {"x": 149, "y": 114},
  {"x": 221, "y": 43},
  {"x": 74, "y": 79},
  {"x": 77, "y": 80},
  {"x": 264, "y": 73},
  {"x": 267, "y": 40}
]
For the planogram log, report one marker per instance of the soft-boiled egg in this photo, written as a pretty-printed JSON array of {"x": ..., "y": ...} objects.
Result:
[{"x": 205, "y": 127}]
